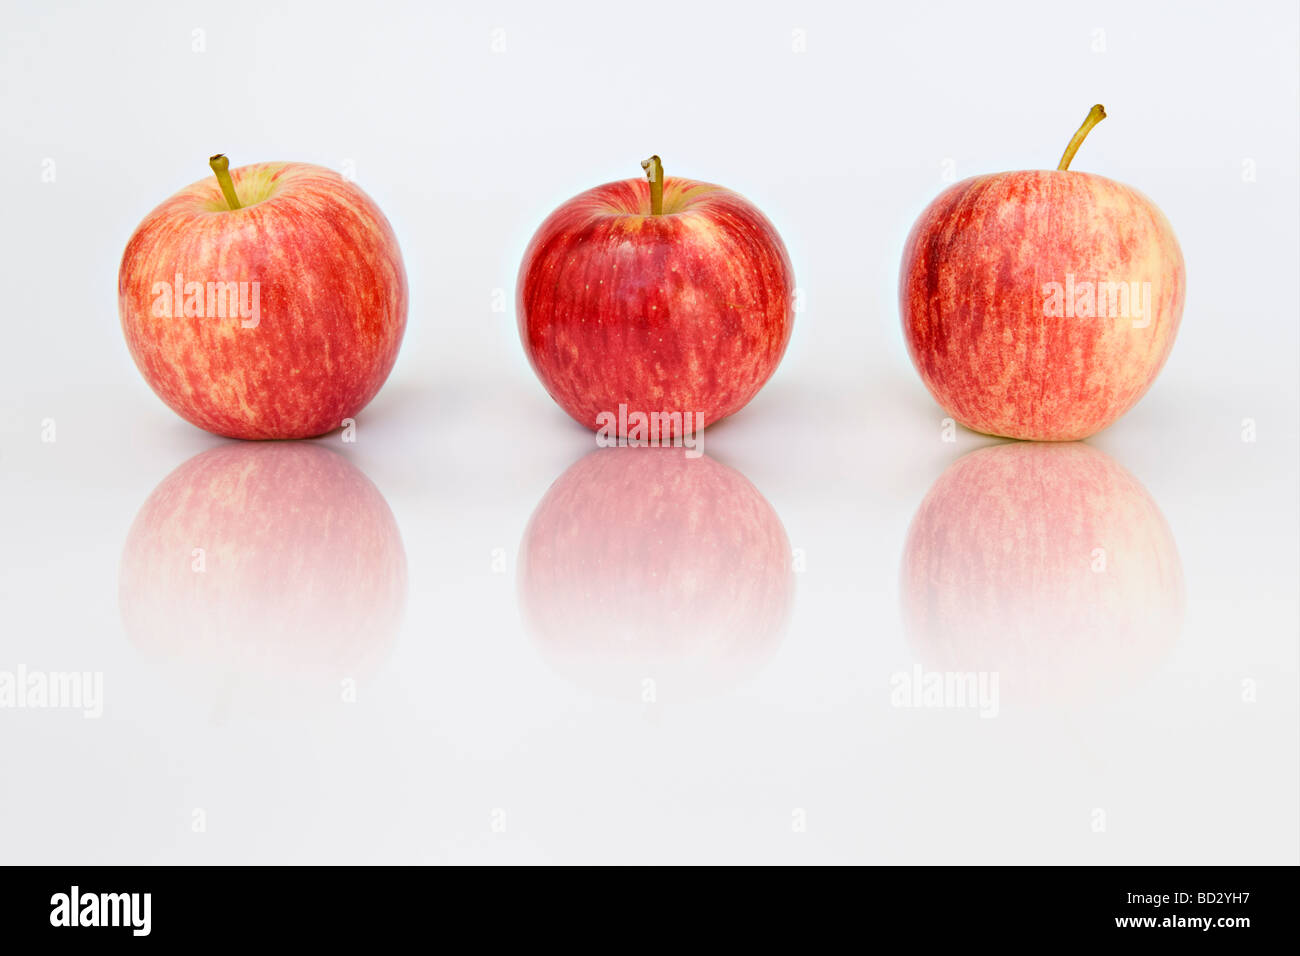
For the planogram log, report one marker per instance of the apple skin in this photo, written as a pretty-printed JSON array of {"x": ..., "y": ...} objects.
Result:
[
  {"x": 304, "y": 572},
  {"x": 972, "y": 301},
  {"x": 333, "y": 301},
  {"x": 999, "y": 573},
  {"x": 689, "y": 311},
  {"x": 642, "y": 563}
]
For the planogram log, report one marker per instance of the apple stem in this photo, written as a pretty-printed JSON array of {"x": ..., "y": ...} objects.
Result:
[
  {"x": 221, "y": 166},
  {"x": 654, "y": 171},
  {"x": 1095, "y": 116}
]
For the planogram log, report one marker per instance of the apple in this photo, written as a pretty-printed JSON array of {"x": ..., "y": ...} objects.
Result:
[
  {"x": 268, "y": 302},
  {"x": 1048, "y": 564},
  {"x": 662, "y": 295},
  {"x": 277, "y": 561},
  {"x": 641, "y": 564},
  {"x": 1041, "y": 304}
]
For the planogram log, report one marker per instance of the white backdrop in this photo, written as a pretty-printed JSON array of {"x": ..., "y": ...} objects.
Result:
[{"x": 468, "y": 123}]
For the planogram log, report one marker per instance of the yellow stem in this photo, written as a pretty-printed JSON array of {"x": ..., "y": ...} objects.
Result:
[
  {"x": 654, "y": 170},
  {"x": 221, "y": 166},
  {"x": 1095, "y": 116}
]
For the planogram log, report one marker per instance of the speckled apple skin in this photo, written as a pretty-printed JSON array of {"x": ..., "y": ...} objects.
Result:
[
  {"x": 333, "y": 301},
  {"x": 689, "y": 311},
  {"x": 972, "y": 301}
]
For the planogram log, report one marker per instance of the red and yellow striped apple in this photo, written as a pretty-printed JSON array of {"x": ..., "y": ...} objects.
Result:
[
  {"x": 268, "y": 302},
  {"x": 1041, "y": 304},
  {"x": 664, "y": 295}
]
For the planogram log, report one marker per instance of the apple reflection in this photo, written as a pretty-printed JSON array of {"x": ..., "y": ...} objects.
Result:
[
  {"x": 1048, "y": 564},
  {"x": 648, "y": 575},
  {"x": 267, "y": 561}
]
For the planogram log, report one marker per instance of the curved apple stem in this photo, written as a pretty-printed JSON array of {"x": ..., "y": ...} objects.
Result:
[
  {"x": 654, "y": 171},
  {"x": 221, "y": 166},
  {"x": 1095, "y": 116}
]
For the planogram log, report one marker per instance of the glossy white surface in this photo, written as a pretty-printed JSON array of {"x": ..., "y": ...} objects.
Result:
[{"x": 469, "y": 740}]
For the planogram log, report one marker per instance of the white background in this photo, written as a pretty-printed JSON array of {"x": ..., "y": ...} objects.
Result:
[{"x": 464, "y": 725}]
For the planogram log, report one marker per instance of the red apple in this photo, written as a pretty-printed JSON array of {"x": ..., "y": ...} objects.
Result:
[
  {"x": 277, "y": 560},
  {"x": 277, "y": 319},
  {"x": 641, "y": 564},
  {"x": 1049, "y": 565},
  {"x": 666, "y": 296},
  {"x": 1041, "y": 304}
]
